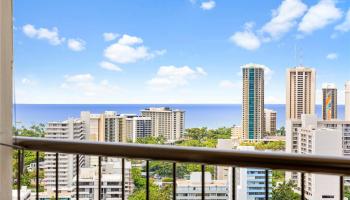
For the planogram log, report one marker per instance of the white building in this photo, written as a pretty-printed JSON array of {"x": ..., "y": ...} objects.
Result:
[
  {"x": 72, "y": 129},
  {"x": 312, "y": 136},
  {"x": 166, "y": 122},
  {"x": 347, "y": 101},
  {"x": 111, "y": 181},
  {"x": 192, "y": 189},
  {"x": 251, "y": 182},
  {"x": 237, "y": 132},
  {"x": 130, "y": 127},
  {"x": 25, "y": 194}
]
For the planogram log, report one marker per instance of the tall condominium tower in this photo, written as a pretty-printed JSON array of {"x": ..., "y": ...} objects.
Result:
[
  {"x": 166, "y": 122},
  {"x": 347, "y": 101},
  {"x": 73, "y": 129},
  {"x": 300, "y": 96},
  {"x": 131, "y": 127},
  {"x": 329, "y": 101},
  {"x": 253, "y": 101},
  {"x": 270, "y": 121}
]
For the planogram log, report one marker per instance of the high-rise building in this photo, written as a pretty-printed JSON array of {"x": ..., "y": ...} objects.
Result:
[
  {"x": 321, "y": 137},
  {"x": 270, "y": 121},
  {"x": 130, "y": 127},
  {"x": 191, "y": 189},
  {"x": 72, "y": 129},
  {"x": 329, "y": 101},
  {"x": 300, "y": 92},
  {"x": 253, "y": 101},
  {"x": 111, "y": 181},
  {"x": 100, "y": 127},
  {"x": 166, "y": 122},
  {"x": 347, "y": 101}
]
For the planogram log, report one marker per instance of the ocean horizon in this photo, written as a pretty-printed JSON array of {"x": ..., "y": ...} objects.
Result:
[{"x": 197, "y": 115}]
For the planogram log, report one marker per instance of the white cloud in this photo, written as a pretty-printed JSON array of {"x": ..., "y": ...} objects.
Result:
[
  {"x": 319, "y": 16},
  {"x": 51, "y": 36},
  {"x": 86, "y": 84},
  {"x": 170, "y": 77},
  {"x": 345, "y": 26},
  {"x": 129, "y": 49},
  {"x": 76, "y": 44},
  {"x": 332, "y": 56},
  {"x": 246, "y": 39},
  {"x": 110, "y": 36},
  {"x": 284, "y": 18},
  {"x": 228, "y": 84},
  {"x": 110, "y": 66},
  {"x": 28, "y": 82},
  {"x": 208, "y": 5}
]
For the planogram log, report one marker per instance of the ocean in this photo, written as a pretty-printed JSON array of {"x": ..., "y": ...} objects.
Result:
[{"x": 197, "y": 115}]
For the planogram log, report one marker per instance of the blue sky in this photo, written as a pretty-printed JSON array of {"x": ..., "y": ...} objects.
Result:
[{"x": 178, "y": 51}]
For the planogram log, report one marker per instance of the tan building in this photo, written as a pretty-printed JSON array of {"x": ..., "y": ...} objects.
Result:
[
  {"x": 347, "y": 101},
  {"x": 100, "y": 127},
  {"x": 300, "y": 92},
  {"x": 253, "y": 101},
  {"x": 329, "y": 101},
  {"x": 166, "y": 122},
  {"x": 270, "y": 121},
  {"x": 237, "y": 132}
]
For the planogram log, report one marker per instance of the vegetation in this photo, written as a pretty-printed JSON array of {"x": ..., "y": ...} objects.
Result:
[
  {"x": 140, "y": 187},
  {"x": 281, "y": 131},
  {"x": 274, "y": 145},
  {"x": 285, "y": 191},
  {"x": 28, "y": 177}
]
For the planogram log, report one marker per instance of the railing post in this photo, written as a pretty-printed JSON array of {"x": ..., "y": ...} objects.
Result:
[
  {"x": 266, "y": 184},
  {"x": 57, "y": 169},
  {"x": 37, "y": 175},
  {"x": 147, "y": 180},
  {"x": 341, "y": 185},
  {"x": 123, "y": 178},
  {"x": 233, "y": 183},
  {"x": 77, "y": 167},
  {"x": 19, "y": 168},
  {"x": 174, "y": 181},
  {"x": 302, "y": 186},
  {"x": 203, "y": 182},
  {"x": 99, "y": 177},
  {"x": 6, "y": 60}
]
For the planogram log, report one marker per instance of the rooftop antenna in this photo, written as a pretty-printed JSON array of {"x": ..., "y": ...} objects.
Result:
[
  {"x": 298, "y": 55},
  {"x": 301, "y": 57}
]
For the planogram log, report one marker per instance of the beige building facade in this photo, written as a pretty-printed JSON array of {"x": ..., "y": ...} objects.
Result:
[{"x": 300, "y": 92}]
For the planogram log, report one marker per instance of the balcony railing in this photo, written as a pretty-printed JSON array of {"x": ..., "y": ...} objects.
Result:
[{"x": 205, "y": 156}]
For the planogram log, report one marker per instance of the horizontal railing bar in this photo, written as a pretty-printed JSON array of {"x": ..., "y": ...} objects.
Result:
[{"x": 336, "y": 165}]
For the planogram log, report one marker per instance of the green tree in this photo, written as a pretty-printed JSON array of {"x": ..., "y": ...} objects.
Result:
[{"x": 284, "y": 191}]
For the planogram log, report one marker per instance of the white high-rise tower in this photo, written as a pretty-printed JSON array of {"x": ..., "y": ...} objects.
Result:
[{"x": 347, "y": 101}]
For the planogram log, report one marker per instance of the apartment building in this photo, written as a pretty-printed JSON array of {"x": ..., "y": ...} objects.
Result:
[
  {"x": 322, "y": 137},
  {"x": 253, "y": 101},
  {"x": 73, "y": 129},
  {"x": 270, "y": 121},
  {"x": 329, "y": 101},
  {"x": 100, "y": 127},
  {"x": 130, "y": 127},
  {"x": 192, "y": 189},
  {"x": 300, "y": 92},
  {"x": 347, "y": 101},
  {"x": 111, "y": 181},
  {"x": 251, "y": 182},
  {"x": 166, "y": 122},
  {"x": 237, "y": 132}
]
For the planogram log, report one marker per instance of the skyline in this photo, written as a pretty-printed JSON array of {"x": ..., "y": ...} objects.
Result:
[{"x": 159, "y": 56}]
